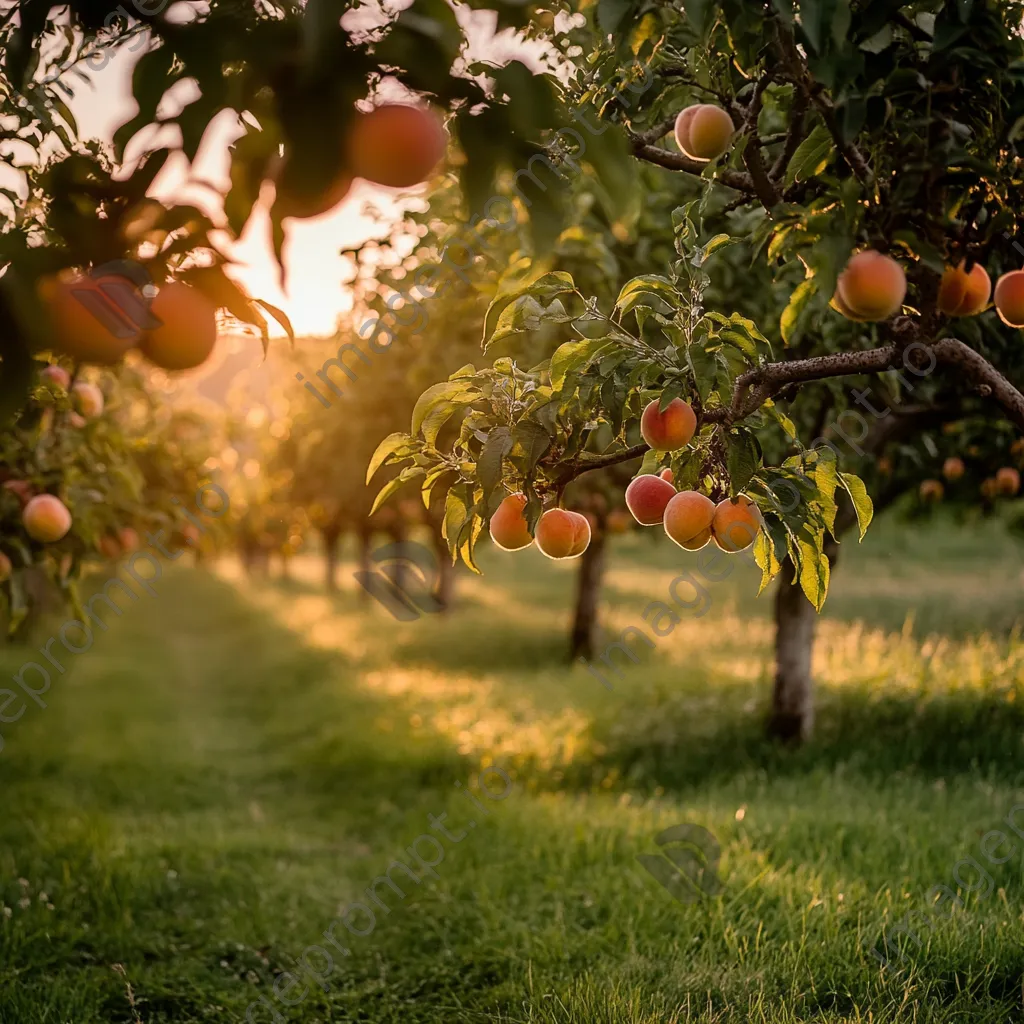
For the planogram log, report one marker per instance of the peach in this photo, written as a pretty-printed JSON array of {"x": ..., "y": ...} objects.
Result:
[
  {"x": 931, "y": 490},
  {"x": 297, "y": 196},
  {"x": 688, "y": 519},
  {"x": 736, "y": 524},
  {"x": 562, "y": 534},
  {"x": 508, "y": 527},
  {"x": 885, "y": 465},
  {"x": 666, "y": 474},
  {"x": 6, "y": 567},
  {"x": 618, "y": 521},
  {"x": 22, "y": 489},
  {"x": 1009, "y": 298},
  {"x": 1007, "y": 481},
  {"x": 87, "y": 324},
  {"x": 1017, "y": 448},
  {"x": 128, "y": 538},
  {"x": 46, "y": 518},
  {"x": 188, "y": 332},
  {"x": 396, "y": 145},
  {"x": 77, "y": 421},
  {"x": 109, "y": 548},
  {"x": 962, "y": 293},
  {"x": 703, "y": 131},
  {"x": 666, "y": 431},
  {"x": 871, "y": 287},
  {"x": 646, "y": 498},
  {"x": 57, "y": 375},
  {"x": 87, "y": 400},
  {"x": 989, "y": 488},
  {"x": 953, "y": 468}
]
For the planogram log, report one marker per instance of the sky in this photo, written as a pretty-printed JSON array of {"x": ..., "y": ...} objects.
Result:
[{"x": 316, "y": 292}]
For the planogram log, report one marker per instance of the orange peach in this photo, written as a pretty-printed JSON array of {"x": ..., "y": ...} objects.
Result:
[
  {"x": 1007, "y": 481},
  {"x": 188, "y": 330},
  {"x": 581, "y": 533},
  {"x": 736, "y": 524},
  {"x": 953, "y": 468},
  {"x": 666, "y": 431},
  {"x": 703, "y": 131},
  {"x": 872, "y": 286},
  {"x": 109, "y": 548},
  {"x": 931, "y": 490},
  {"x": 46, "y": 518},
  {"x": 1017, "y": 448},
  {"x": 688, "y": 519},
  {"x": 646, "y": 498},
  {"x": 559, "y": 533},
  {"x": 508, "y": 527},
  {"x": 87, "y": 400},
  {"x": 128, "y": 538},
  {"x": 56, "y": 375},
  {"x": 618, "y": 521},
  {"x": 396, "y": 145},
  {"x": 87, "y": 324},
  {"x": 1009, "y": 298},
  {"x": 962, "y": 293},
  {"x": 6, "y": 567},
  {"x": 666, "y": 474},
  {"x": 989, "y": 488}
]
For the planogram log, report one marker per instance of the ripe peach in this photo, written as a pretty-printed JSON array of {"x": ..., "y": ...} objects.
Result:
[
  {"x": 646, "y": 498},
  {"x": 188, "y": 332},
  {"x": 989, "y": 487},
  {"x": 87, "y": 400},
  {"x": 1009, "y": 298},
  {"x": 298, "y": 196},
  {"x": 666, "y": 474},
  {"x": 736, "y": 523},
  {"x": 396, "y": 145},
  {"x": 560, "y": 533},
  {"x": 109, "y": 548},
  {"x": 6, "y": 568},
  {"x": 931, "y": 490},
  {"x": 22, "y": 489},
  {"x": 54, "y": 374},
  {"x": 953, "y": 468},
  {"x": 885, "y": 465},
  {"x": 963, "y": 294},
  {"x": 77, "y": 421},
  {"x": 618, "y": 521},
  {"x": 128, "y": 538},
  {"x": 1007, "y": 481},
  {"x": 666, "y": 431},
  {"x": 581, "y": 533},
  {"x": 703, "y": 131},
  {"x": 72, "y": 304},
  {"x": 46, "y": 518},
  {"x": 508, "y": 527},
  {"x": 872, "y": 286},
  {"x": 688, "y": 518}
]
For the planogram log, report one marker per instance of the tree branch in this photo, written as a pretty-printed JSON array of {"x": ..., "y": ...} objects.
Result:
[
  {"x": 983, "y": 375},
  {"x": 794, "y": 136},
  {"x": 677, "y": 162}
]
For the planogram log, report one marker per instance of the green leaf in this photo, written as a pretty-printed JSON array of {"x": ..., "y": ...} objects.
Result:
[
  {"x": 814, "y": 569},
  {"x": 488, "y": 466},
  {"x": 460, "y": 392},
  {"x": 826, "y": 475},
  {"x": 385, "y": 492},
  {"x": 456, "y": 511},
  {"x": 650, "y": 290},
  {"x": 798, "y": 301},
  {"x": 811, "y": 156},
  {"x": 532, "y": 440},
  {"x": 544, "y": 288},
  {"x": 862, "y": 503},
  {"x": 572, "y": 356},
  {"x": 764, "y": 555},
  {"x": 391, "y": 445},
  {"x": 743, "y": 459},
  {"x": 280, "y": 316}
]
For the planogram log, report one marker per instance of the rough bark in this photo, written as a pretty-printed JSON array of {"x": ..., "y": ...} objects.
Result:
[{"x": 583, "y": 638}]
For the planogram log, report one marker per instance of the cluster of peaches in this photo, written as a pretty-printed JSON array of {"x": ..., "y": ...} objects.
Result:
[
  {"x": 1005, "y": 483},
  {"x": 690, "y": 518},
  {"x": 872, "y": 287}
]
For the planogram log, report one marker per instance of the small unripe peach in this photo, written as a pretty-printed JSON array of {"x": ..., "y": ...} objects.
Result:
[
  {"x": 963, "y": 294},
  {"x": 560, "y": 533},
  {"x": 688, "y": 519},
  {"x": 666, "y": 431},
  {"x": 1009, "y": 298},
  {"x": 666, "y": 474},
  {"x": 87, "y": 400},
  {"x": 953, "y": 468},
  {"x": 736, "y": 523},
  {"x": 931, "y": 490},
  {"x": 872, "y": 286},
  {"x": 6, "y": 568},
  {"x": 22, "y": 489},
  {"x": 1007, "y": 481},
  {"x": 396, "y": 144},
  {"x": 54, "y": 374},
  {"x": 508, "y": 526},
  {"x": 46, "y": 518},
  {"x": 646, "y": 498},
  {"x": 703, "y": 131}
]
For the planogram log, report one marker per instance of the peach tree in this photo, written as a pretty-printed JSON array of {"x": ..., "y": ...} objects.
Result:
[{"x": 867, "y": 165}]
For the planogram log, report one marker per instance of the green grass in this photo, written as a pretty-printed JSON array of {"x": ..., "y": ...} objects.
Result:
[{"x": 232, "y": 763}]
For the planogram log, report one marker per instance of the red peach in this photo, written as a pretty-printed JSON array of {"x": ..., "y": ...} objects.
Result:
[
  {"x": 872, "y": 286},
  {"x": 646, "y": 498},
  {"x": 666, "y": 431},
  {"x": 46, "y": 518},
  {"x": 1009, "y": 298}
]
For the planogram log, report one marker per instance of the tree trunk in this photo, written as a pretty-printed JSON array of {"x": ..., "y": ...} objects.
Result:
[
  {"x": 365, "y": 537},
  {"x": 446, "y": 571},
  {"x": 792, "y": 715},
  {"x": 331, "y": 536},
  {"x": 583, "y": 639}
]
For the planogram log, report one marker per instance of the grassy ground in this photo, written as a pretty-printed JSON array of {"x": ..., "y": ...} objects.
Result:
[{"x": 232, "y": 764}]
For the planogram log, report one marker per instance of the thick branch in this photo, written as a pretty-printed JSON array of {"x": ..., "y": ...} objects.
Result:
[
  {"x": 677, "y": 162},
  {"x": 983, "y": 375},
  {"x": 793, "y": 138}
]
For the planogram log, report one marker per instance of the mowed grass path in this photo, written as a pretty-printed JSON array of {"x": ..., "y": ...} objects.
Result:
[{"x": 235, "y": 761}]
